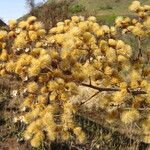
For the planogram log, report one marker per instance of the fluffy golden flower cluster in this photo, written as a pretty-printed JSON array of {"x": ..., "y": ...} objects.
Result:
[
  {"x": 139, "y": 26},
  {"x": 51, "y": 65}
]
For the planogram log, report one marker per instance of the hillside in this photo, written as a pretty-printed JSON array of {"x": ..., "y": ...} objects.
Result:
[
  {"x": 105, "y": 11},
  {"x": 109, "y": 7}
]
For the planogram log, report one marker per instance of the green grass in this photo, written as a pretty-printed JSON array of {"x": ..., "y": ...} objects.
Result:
[
  {"x": 76, "y": 8},
  {"x": 106, "y": 19}
]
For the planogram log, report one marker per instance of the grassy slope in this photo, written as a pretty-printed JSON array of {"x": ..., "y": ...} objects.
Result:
[
  {"x": 107, "y": 10},
  {"x": 118, "y": 6}
]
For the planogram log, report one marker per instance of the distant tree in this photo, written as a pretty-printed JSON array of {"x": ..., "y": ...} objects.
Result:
[{"x": 31, "y": 4}]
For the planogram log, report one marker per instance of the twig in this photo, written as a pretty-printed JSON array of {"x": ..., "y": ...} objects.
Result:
[
  {"x": 100, "y": 89},
  {"x": 140, "y": 109},
  {"x": 89, "y": 99},
  {"x": 139, "y": 47}
]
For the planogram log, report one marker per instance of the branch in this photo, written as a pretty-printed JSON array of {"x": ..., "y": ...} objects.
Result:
[
  {"x": 134, "y": 92},
  {"x": 139, "y": 47},
  {"x": 89, "y": 99},
  {"x": 140, "y": 109}
]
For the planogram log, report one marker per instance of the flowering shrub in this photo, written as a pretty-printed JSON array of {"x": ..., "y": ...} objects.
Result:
[{"x": 51, "y": 65}]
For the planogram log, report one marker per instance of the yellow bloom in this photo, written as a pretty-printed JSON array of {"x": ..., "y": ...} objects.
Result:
[
  {"x": 123, "y": 85},
  {"x": 31, "y": 19},
  {"x": 144, "y": 83},
  {"x": 65, "y": 135},
  {"x": 147, "y": 22},
  {"x": 135, "y": 6},
  {"x": 38, "y": 25},
  {"x": 105, "y": 29},
  {"x": 3, "y": 72},
  {"x": 122, "y": 58},
  {"x": 53, "y": 85},
  {"x": 118, "y": 97},
  {"x": 83, "y": 26},
  {"x": 130, "y": 116},
  {"x": 60, "y": 29},
  {"x": 80, "y": 134},
  {"x": 92, "y": 18},
  {"x": 12, "y": 24},
  {"x": 77, "y": 130},
  {"x": 135, "y": 75},
  {"x": 4, "y": 55},
  {"x": 111, "y": 54},
  {"x": 41, "y": 32},
  {"x": 113, "y": 30},
  {"x": 20, "y": 40},
  {"x": 64, "y": 96},
  {"x": 146, "y": 139},
  {"x": 37, "y": 139},
  {"x": 11, "y": 34},
  {"x": 99, "y": 32},
  {"x": 108, "y": 70},
  {"x": 120, "y": 44},
  {"x": 32, "y": 87},
  {"x": 51, "y": 134},
  {"x": 10, "y": 66},
  {"x": 134, "y": 84},
  {"x": 43, "y": 90},
  {"x": 38, "y": 44},
  {"x": 34, "y": 71},
  {"x": 118, "y": 21},
  {"x": 53, "y": 96},
  {"x": 75, "y": 31},
  {"x": 146, "y": 126},
  {"x": 33, "y": 35},
  {"x": 27, "y": 102},
  {"x": 3, "y": 34},
  {"x": 112, "y": 42},
  {"x": 42, "y": 99},
  {"x": 60, "y": 24},
  {"x": 75, "y": 19},
  {"x": 137, "y": 30},
  {"x": 45, "y": 60},
  {"x": 23, "y": 24}
]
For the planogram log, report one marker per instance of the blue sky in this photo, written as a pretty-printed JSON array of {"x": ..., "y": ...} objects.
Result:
[{"x": 13, "y": 9}]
